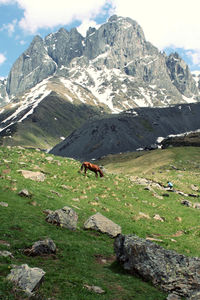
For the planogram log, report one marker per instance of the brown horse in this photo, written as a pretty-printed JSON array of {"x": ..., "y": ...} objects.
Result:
[{"x": 94, "y": 168}]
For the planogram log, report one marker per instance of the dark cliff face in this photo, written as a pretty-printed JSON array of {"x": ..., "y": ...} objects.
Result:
[{"x": 128, "y": 131}]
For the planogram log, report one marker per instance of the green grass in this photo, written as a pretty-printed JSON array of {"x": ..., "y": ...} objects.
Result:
[{"x": 78, "y": 258}]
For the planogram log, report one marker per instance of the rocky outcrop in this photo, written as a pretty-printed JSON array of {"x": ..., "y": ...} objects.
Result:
[
  {"x": 182, "y": 140},
  {"x": 173, "y": 272},
  {"x": 28, "y": 279},
  {"x": 102, "y": 224}
]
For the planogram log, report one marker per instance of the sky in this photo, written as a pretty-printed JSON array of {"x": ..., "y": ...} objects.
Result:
[{"x": 170, "y": 25}]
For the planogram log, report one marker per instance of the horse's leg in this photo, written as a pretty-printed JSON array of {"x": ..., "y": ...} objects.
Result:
[
  {"x": 96, "y": 174},
  {"x": 85, "y": 170}
]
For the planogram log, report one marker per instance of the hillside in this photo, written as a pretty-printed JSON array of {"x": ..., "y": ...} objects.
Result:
[
  {"x": 86, "y": 258},
  {"x": 128, "y": 131}
]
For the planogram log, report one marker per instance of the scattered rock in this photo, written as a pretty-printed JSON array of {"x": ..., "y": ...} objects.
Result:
[
  {"x": 44, "y": 247},
  {"x": 186, "y": 203},
  {"x": 148, "y": 238},
  {"x": 94, "y": 288},
  {"x": 173, "y": 297},
  {"x": 56, "y": 193},
  {"x": 47, "y": 211},
  {"x": 28, "y": 279},
  {"x": 65, "y": 217},
  {"x": 193, "y": 195},
  {"x": 36, "y": 176},
  {"x": 4, "y": 204},
  {"x": 6, "y": 254},
  {"x": 2, "y": 242},
  {"x": 171, "y": 271},
  {"x": 142, "y": 216},
  {"x": 49, "y": 158},
  {"x": 178, "y": 219},
  {"x": 100, "y": 223},
  {"x": 158, "y": 218},
  {"x": 25, "y": 193},
  {"x": 194, "y": 187},
  {"x": 196, "y": 205},
  {"x": 165, "y": 195}
]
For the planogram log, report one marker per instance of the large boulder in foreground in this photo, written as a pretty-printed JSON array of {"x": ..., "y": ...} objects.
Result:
[
  {"x": 102, "y": 224},
  {"x": 65, "y": 217},
  {"x": 171, "y": 271},
  {"x": 28, "y": 279}
]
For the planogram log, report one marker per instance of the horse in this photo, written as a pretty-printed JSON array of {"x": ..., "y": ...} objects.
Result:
[{"x": 94, "y": 168}]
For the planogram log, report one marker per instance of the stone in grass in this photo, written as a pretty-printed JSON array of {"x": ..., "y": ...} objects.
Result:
[
  {"x": 5, "y": 253},
  {"x": 65, "y": 217},
  {"x": 25, "y": 193},
  {"x": 44, "y": 247},
  {"x": 4, "y": 204},
  {"x": 100, "y": 223},
  {"x": 94, "y": 288},
  {"x": 26, "y": 278}
]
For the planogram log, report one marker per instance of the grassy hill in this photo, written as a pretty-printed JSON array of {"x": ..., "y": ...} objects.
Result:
[{"x": 87, "y": 257}]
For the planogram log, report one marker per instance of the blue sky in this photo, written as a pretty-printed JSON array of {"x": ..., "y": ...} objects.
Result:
[{"x": 170, "y": 25}]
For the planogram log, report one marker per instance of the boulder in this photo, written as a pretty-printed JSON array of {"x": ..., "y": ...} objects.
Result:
[
  {"x": 28, "y": 279},
  {"x": 44, "y": 247},
  {"x": 100, "y": 223},
  {"x": 173, "y": 272},
  {"x": 65, "y": 217}
]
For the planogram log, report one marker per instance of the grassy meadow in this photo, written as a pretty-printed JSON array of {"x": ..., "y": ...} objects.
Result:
[{"x": 87, "y": 257}]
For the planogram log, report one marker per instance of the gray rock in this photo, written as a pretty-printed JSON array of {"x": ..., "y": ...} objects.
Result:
[
  {"x": 4, "y": 204},
  {"x": 100, "y": 223},
  {"x": 44, "y": 247},
  {"x": 24, "y": 193},
  {"x": 186, "y": 203},
  {"x": 28, "y": 279},
  {"x": 94, "y": 288},
  {"x": 173, "y": 272},
  {"x": 6, "y": 254},
  {"x": 65, "y": 217},
  {"x": 196, "y": 205},
  {"x": 173, "y": 297},
  {"x": 36, "y": 176}
]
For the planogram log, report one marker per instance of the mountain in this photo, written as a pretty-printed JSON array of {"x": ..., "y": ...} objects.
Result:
[
  {"x": 128, "y": 131},
  {"x": 112, "y": 69}
]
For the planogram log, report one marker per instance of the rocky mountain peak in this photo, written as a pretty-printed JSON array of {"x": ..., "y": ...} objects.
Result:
[{"x": 114, "y": 63}]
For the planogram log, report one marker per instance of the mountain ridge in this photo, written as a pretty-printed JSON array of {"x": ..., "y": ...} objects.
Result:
[{"x": 113, "y": 69}]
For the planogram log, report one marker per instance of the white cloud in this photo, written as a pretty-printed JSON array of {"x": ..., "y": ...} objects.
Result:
[
  {"x": 2, "y": 58},
  {"x": 195, "y": 56},
  {"x": 10, "y": 27},
  {"x": 47, "y": 14},
  {"x": 85, "y": 26},
  {"x": 165, "y": 22}
]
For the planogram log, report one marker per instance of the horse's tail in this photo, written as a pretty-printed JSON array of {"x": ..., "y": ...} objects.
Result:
[{"x": 100, "y": 173}]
